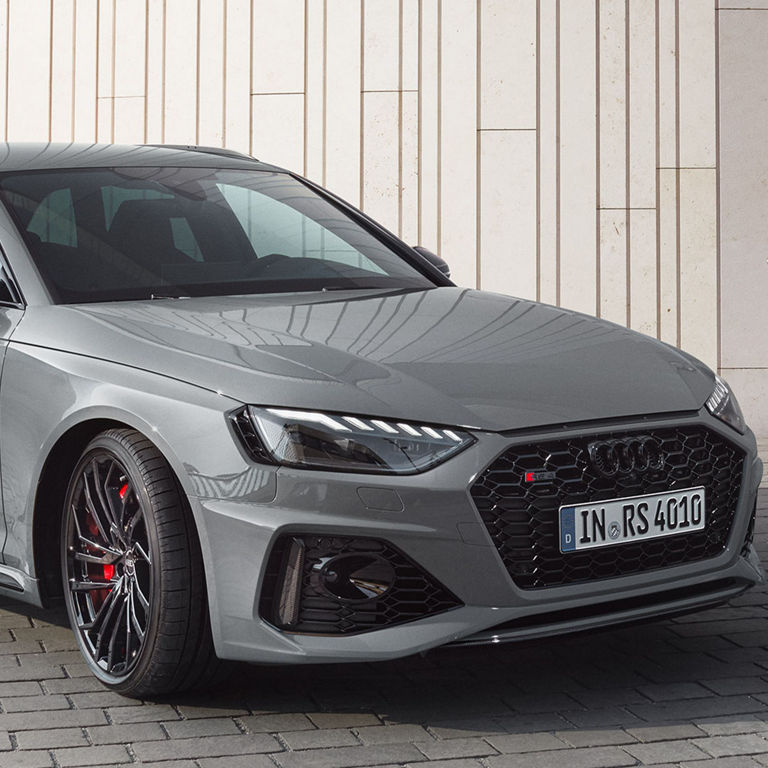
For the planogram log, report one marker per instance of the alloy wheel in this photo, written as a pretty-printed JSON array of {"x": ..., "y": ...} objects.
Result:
[{"x": 109, "y": 573}]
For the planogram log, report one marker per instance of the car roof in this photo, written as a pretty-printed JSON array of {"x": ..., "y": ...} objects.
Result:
[{"x": 36, "y": 156}]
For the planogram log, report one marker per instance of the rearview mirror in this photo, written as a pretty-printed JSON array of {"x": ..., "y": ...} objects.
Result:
[{"x": 433, "y": 259}]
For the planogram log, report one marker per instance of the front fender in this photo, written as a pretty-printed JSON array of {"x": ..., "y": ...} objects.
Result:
[{"x": 46, "y": 393}]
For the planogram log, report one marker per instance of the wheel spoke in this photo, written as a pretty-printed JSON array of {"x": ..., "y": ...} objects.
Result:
[
  {"x": 140, "y": 550},
  {"x": 98, "y": 617},
  {"x": 108, "y": 559},
  {"x": 116, "y": 629},
  {"x": 104, "y": 627},
  {"x": 89, "y": 586},
  {"x": 93, "y": 511},
  {"x": 132, "y": 523},
  {"x": 134, "y": 619},
  {"x": 138, "y": 593}
]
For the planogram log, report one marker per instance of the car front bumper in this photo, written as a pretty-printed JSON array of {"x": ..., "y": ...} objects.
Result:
[{"x": 432, "y": 519}]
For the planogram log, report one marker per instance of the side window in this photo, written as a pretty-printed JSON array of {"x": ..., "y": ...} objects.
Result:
[{"x": 54, "y": 219}]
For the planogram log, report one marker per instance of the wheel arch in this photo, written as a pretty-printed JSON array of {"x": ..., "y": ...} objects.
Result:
[{"x": 51, "y": 489}]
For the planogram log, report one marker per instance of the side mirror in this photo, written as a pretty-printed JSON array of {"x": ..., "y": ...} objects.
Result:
[{"x": 438, "y": 263}]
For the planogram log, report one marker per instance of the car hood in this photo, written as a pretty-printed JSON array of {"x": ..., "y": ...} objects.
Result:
[{"x": 445, "y": 355}]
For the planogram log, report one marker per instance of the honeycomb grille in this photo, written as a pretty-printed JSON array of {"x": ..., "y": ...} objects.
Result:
[
  {"x": 413, "y": 595},
  {"x": 522, "y": 518}
]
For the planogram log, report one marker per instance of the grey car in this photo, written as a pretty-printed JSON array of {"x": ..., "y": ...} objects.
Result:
[{"x": 241, "y": 420}]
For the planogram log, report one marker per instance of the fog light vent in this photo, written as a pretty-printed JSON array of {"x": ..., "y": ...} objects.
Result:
[
  {"x": 290, "y": 594},
  {"x": 335, "y": 585}
]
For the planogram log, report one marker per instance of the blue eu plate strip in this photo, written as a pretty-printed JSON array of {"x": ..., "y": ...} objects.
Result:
[{"x": 567, "y": 529}]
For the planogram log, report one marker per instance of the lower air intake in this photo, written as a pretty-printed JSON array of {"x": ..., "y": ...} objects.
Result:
[{"x": 338, "y": 585}]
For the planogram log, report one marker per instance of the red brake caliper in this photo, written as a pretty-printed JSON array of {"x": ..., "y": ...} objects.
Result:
[{"x": 109, "y": 570}]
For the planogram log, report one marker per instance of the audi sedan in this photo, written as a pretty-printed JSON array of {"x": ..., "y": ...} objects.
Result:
[{"x": 241, "y": 420}]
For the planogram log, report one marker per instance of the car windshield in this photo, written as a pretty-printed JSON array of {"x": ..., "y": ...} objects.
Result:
[{"x": 137, "y": 233}]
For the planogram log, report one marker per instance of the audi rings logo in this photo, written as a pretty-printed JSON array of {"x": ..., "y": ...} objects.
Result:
[{"x": 625, "y": 456}]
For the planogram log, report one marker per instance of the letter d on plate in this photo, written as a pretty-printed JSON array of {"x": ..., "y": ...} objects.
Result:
[{"x": 567, "y": 529}]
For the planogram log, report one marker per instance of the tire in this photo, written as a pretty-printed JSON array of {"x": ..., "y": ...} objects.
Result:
[{"x": 132, "y": 569}]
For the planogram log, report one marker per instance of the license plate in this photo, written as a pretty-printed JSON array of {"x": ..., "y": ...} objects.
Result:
[{"x": 616, "y": 521}]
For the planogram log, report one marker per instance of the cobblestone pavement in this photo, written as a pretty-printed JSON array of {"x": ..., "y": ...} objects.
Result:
[{"x": 686, "y": 692}]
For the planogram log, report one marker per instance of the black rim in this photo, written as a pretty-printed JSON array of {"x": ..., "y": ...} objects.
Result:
[{"x": 108, "y": 564}]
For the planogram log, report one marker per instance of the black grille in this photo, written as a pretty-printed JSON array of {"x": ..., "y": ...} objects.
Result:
[
  {"x": 522, "y": 517},
  {"x": 413, "y": 595}
]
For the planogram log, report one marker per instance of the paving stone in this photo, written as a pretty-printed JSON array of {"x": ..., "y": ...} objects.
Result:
[
  {"x": 724, "y": 762},
  {"x": 343, "y": 719},
  {"x": 240, "y": 761},
  {"x": 319, "y": 738},
  {"x": 75, "y": 685},
  {"x": 698, "y": 708},
  {"x": 392, "y": 734},
  {"x": 730, "y": 685},
  {"x": 598, "y": 757},
  {"x": 35, "y": 759},
  {"x": 99, "y": 756},
  {"x": 210, "y": 746},
  {"x": 724, "y": 746},
  {"x": 60, "y": 718},
  {"x": 273, "y": 723},
  {"x": 533, "y": 742},
  {"x": 149, "y": 713},
  {"x": 350, "y": 757},
  {"x": 51, "y": 739},
  {"x": 673, "y": 692},
  {"x": 599, "y": 718},
  {"x": 35, "y": 703},
  {"x": 190, "y": 712},
  {"x": 665, "y": 752},
  {"x": 458, "y": 763},
  {"x": 23, "y": 688},
  {"x": 671, "y": 732},
  {"x": 215, "y": 726},
  {"x": 455, "y": 748},
  {"x": 596, "y": 738},
  {"x": 725, "y": 726},
  {"x": 119, "y": 734}
]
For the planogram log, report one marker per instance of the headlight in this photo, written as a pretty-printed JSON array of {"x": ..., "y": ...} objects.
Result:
[
  {"x": 346, "y": 443},
  {"x": 723, "y": 405}
]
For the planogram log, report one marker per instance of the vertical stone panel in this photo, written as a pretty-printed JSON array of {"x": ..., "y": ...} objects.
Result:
[
  {"x": 278, "y": 46},
  {"x": 547, "y": 154},
  {"x": 643, "y": 273},
  {"x": 314, "y": 103},
  {"x": 380, "y": 157},
  {"x": 508, "y": 212},
  {"x": 278, "y": 129},
  {"x": 698, "y": 263},
  {"x": 458, "y": 138},
  {"x": 508, "y": 64},
  {"x": 613, "y": 106},
  {"x": 180, "y": 73},
  {"x": 342, "y": 107},
  {"x": 429, "y": 127},
  {"x": 62, "y": 70},
  {"x": 578, "y": 201},
  {"x": 668, "y": 256},
  {"x": 237, "y": 89},
  {"x": 697, "y": 84},
  {"x": 613, "y": 265},
  {"x": 29, "y": 85},
  {"x": 210, "y": 113}
]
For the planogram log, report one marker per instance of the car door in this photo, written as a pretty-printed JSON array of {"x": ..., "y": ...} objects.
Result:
[{"x": 11, "y": 311}]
